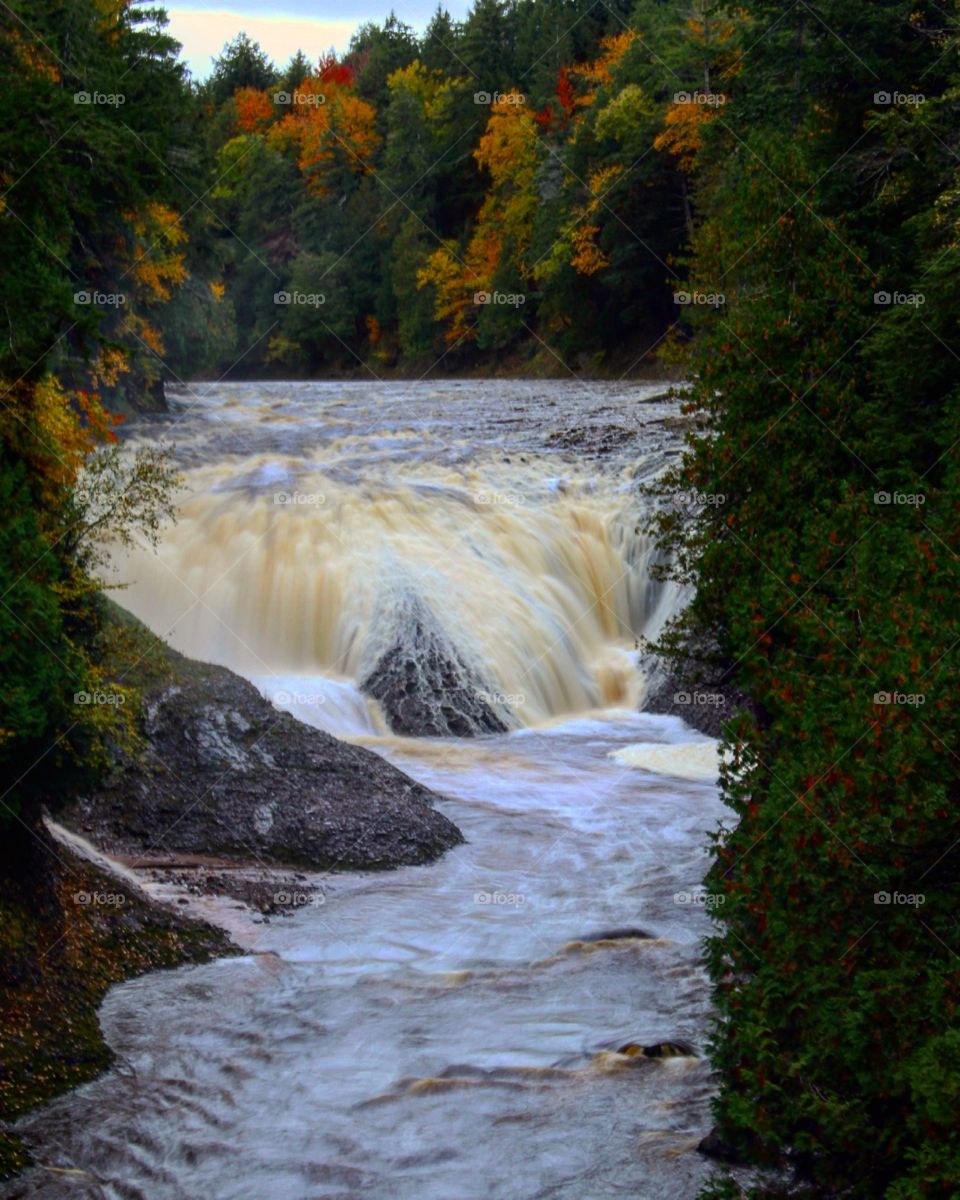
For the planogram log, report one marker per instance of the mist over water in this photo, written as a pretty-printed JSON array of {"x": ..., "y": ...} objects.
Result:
[{"x": 446, "y": 1031}]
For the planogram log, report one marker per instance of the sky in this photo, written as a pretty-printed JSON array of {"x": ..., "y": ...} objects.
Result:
[{"x": 293, "y": 25}]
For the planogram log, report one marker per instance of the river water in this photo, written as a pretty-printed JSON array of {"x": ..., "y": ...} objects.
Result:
[{"x": 446, "y": 1032}]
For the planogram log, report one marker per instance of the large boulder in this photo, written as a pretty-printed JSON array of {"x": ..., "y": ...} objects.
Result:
[
  {"x": 425, "y": 686},
  {"x": 225, "y": 773}
]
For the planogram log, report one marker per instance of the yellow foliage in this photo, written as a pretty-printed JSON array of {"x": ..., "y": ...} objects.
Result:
[
  {"x": 158, "y": 265},
  {"x": 587, "y": 257},
  {"x": 282, "y": 350},
  {"x": 108, "y": 366},
  {"x": 53, "y": 431},
  {"x": 682, "y": 135},
  {"x": 432, "y": 88},
  {"x": 454, "y": 301},
  {"x": 508, "y": 152}
]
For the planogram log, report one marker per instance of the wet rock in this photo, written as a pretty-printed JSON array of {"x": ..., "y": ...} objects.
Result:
[
  {"x": 616, "y": 935},
  {"x": 694, "y": 695},
  {"x": 595, "y": 439},
  {"x": 669, "y": 1050},
  {"x": 226, "y": 773},
  {"x": 714, "y": 1146},
  {"x": 426, "y": 688},
  {"x": 658, "y": 1050}
]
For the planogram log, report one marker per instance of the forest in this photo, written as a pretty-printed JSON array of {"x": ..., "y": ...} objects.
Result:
[{"x": 762, "y": 199}]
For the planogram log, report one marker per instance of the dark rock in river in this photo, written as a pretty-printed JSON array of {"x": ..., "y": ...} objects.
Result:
[
  {"x": 617, "y": 935},
  {"x": 226, "y": 773},
  {"x": 425, "y": 687}
]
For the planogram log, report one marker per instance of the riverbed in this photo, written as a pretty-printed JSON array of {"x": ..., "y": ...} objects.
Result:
[{"x": 448, "y": 1032}]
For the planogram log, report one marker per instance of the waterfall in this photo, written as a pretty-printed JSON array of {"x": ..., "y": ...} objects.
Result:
[{"x": 537, "y": 584}]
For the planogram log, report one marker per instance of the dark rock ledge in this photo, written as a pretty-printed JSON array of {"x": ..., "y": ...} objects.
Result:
[{"x": 224, "y": 773}]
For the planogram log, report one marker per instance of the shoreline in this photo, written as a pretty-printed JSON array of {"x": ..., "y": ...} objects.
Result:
[{"x": 62, "y": 952}]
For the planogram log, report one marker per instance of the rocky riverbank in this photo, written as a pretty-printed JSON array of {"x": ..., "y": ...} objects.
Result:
[
  {"x": 223, "y": 795},
  {"x": 692, "y": 694},
  {"x": 68, "y": 932},
  {"x": 221, "y": 773}
]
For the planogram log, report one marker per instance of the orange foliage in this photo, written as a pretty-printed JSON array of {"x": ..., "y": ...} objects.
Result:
[
  {"x": 682, "y": 135},
  {"x": 254, "y": 110},
  {"x": 157, "y": 263},
  {"x": 599, "y": 73},
  {"x": 587, "y": 257},
  {"x": 327, "y": 126},
  {"x": 32, "y": 55}
]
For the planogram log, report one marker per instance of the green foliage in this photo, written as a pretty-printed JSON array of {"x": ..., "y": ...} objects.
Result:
[
  {"x": 242, "y": 63},
  {"x": 39, "y": 665},
  {"x": 825, "y": 561}
]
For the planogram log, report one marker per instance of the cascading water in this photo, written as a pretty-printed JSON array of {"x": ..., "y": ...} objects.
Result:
[
  {"x": 527, "y": 563},
  {"x": 444, "y": 1032}
]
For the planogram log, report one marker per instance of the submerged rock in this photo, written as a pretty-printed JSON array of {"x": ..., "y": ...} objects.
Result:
[
  {"x": 224, "y": 772},
  {"x": 426, "y": 688}
]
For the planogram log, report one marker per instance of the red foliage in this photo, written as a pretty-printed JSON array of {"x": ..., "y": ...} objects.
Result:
[{"x": 331, "y": 71}]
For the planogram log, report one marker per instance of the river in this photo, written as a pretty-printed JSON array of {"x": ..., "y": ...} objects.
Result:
[{"x": 446, "y": 1032}]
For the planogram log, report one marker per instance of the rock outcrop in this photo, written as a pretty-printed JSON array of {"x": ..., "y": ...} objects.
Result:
[
  {"x": 225, "y": 773},
  {"x": 426, "y": 688}
]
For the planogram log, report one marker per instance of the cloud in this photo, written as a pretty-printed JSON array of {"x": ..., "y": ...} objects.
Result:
[{"x": 203, "y": 32}]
